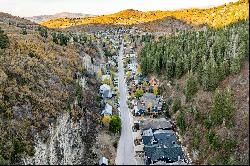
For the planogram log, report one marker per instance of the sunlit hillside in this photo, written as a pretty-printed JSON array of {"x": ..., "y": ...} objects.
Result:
[{"x": 216, "y": 16}]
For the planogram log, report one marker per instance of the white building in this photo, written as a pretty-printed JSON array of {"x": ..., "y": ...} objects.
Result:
[
  {"x": 106, "y": 91},
  {"x": 107, "y": 110},
  {"x": 103, "y": 161}
]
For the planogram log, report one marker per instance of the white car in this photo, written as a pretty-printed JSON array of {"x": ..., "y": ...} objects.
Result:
[{"x": 116, "y": 82}]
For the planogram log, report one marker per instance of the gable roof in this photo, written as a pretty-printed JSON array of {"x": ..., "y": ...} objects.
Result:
[
  {"x": 103, "y": 160},
  {"x": 107, "y": 110},
  {"x": 161, "y": 145},
  {"x": 155, "y": 153},
  {"x": 105, "y": 87},
  {"x": 159, "y": 123}
]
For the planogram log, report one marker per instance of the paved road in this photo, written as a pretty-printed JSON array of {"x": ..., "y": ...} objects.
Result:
[{"x": 125, "y": 150}]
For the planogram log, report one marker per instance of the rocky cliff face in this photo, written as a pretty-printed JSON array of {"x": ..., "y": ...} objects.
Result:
[
  {"x": 71, "y": 139},
  {"x": 69, "y": 143}
]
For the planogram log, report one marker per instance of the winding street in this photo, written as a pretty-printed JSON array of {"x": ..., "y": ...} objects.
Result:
[{"x": 125, "y": 150}]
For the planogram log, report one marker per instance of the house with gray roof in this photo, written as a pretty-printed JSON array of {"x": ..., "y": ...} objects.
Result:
[
  {"x": 149, "y": 103},
  {"x": 107, "y": 110},
  {"x": 159, "y": 123},
  {"x": 161, "y": 145},
  {"x": 106, "y": 91}
]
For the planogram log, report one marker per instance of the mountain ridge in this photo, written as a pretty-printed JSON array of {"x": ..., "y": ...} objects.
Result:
[
  {"x": 46, "y": 17},
  {"x": 216, "y": 16}
]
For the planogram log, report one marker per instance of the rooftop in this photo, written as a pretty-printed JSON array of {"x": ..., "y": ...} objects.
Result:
[
  {"x": 103, "y": 160},
  {"x": 159, "y": 123},
  {"x": 161, "y": 145}
]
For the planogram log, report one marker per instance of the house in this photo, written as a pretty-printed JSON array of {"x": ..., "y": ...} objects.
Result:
[
  {"x": 161, "y": 145},
  {"x": 106, "y": 91},
  {"x": 154, "y": 124},
  {"x": 179, "y": 162},
  {"x": 152, "y": 82},
  {"x": 132, "y": 58},
  {"x": 150, "y": 104},
  {"x": 138, "y": 111},
  {"x": 138, "y": 78},
  {"x": 103, "y": 161},
  {"x": 107, "y": 110},
  {"x": 132, "y": 67}
]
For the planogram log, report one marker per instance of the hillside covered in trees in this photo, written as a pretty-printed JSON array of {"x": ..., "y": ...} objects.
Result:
[
  {"x": 38, "y": 84},
  {"x": 208, "y": 91},
  {"x": 215, "y": 17}
]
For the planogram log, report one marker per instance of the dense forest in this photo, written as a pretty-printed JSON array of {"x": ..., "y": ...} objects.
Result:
[
  {"x": 197, "y": 62},
  {"x": 211, "y": 54}
]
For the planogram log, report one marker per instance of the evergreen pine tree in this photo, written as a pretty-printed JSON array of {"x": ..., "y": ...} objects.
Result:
[{"x": 191, "y": 86}]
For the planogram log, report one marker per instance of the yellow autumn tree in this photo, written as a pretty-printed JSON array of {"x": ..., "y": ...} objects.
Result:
[
  {"x": 155, "y": 90},
  {"x": 106, "y": 120},
  {"x": 99, "y": 73}
]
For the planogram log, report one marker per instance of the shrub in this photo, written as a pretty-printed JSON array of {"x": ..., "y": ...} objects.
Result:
[
  {"x": 3, "y": 161},
  {"x": 4, "y": 40},
  {"x": 155, "y": 90},
  {"x": 107, "y": 81},
  {"x": 180, "y": 122},
  {"x": 213, "y": 140},
  {"x": 176, "y": 105},
  {"x": 138, "y": 93},
  {"x": 223, "y": 108},
  {"x": 196, "y": 141},
  {"x": 229, "y": 144},
  {"x": 106, "y": 120},
  {"x": 24, "y": 32},
  {"x": 165, "y": 107},
  {"x": 115, "y": 144},
  {"x": 207, "y": 123},
  {"x": 43, "y": 31},
  {"x": 191, "y": 86},
  {"x": 115, "y": 124}
]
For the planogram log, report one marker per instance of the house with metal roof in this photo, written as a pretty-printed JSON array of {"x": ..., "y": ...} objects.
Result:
[{"x": 161, "y": 145}]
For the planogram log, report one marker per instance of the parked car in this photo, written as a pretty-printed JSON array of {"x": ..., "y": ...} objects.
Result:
[{"x": 116, "y": 82}]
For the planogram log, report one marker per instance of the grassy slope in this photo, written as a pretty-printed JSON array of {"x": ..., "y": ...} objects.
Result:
[{"x": 216, "y": 17}]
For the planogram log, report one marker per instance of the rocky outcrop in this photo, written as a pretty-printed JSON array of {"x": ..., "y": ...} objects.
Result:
[{"x": 69, "y": 143}]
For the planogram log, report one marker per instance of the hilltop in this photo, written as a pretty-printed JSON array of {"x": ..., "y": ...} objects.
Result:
[
  {"x": 42, "y": 18},
  {"x": 16, "y": 21},
  {"x": 215, "y": 16}
]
